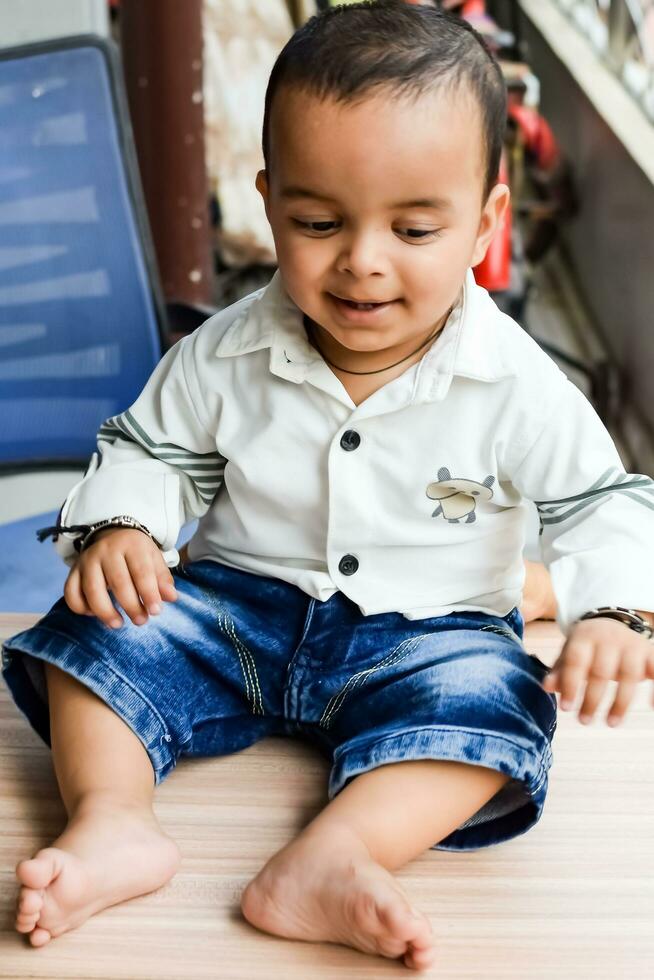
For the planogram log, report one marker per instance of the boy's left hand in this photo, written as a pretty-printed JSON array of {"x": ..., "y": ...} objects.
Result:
[{"x": 599, "y": 651}]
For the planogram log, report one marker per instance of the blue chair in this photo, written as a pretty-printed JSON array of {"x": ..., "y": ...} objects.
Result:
[{"x": 82, "y": 322}]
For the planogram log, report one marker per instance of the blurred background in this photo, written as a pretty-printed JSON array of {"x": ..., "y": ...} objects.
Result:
[{"x": 130, "y": 138}]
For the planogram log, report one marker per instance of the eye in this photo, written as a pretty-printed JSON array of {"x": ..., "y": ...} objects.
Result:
[
  {"x": 315, "y": 225},
  {"x": 414, "y": 234},
  {"x": 420, "y": 234}
]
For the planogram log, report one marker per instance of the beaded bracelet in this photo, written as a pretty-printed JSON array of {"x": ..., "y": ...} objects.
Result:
[
  {"x": 123, "y": 520},
  {"x": 629, "y": 617}
]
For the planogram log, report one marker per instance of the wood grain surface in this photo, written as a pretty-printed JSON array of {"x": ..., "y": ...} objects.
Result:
[{"x": 572, "y": 898}]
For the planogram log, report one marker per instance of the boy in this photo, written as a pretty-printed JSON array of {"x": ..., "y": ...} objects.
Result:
[{"x": 358, "y": 439}]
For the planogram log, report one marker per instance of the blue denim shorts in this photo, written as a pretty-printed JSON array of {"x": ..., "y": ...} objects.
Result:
[{"x": 239, "y": 656}]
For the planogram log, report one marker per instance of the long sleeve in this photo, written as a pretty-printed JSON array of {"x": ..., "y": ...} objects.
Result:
[
  {"x": 597, "y": 521},
  {"x": 156, "y": 462}
]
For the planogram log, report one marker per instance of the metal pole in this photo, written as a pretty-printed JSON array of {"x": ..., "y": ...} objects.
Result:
[{"x": 162, "y": 53}]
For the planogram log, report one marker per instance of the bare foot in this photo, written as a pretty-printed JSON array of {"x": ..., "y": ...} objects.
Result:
[
  {"x": 331, "y": 890},
  {"x": 107, "y": 854}
]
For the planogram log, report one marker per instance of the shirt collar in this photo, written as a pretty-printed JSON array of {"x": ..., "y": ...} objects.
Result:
[{"x": 471, "y": 345}]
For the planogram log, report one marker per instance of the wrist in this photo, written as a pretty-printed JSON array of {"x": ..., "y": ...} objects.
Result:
[
  {"x": 630, "y": 618},
  {"x": 104, "y": 532},
  {"x": 122, "y": 522}
]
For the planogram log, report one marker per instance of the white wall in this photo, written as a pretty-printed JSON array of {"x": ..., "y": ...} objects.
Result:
[{"x": 23, "y": 21}]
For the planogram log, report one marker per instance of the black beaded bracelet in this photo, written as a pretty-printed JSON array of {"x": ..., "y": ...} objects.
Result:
[
  {"x": 629, "y": 617},
  {"x": 123, "y": 520}
]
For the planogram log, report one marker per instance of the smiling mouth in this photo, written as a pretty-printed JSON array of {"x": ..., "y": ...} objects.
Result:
[{"x": 355, "y": 305}]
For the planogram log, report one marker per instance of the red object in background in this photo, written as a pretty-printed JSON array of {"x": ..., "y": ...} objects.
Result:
[
  {"x": 494, "y": 272},
  {"x": 537, "y": 136},
  {"x": 474, "y": 8}
]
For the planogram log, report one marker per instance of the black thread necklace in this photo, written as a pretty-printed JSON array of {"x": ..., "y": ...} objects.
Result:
[{"x": 309, "y": 323}]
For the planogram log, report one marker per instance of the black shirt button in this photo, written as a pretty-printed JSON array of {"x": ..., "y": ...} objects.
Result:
[
  {"x": 348, "y": 565},
  {"x": 350, "y": 440}
]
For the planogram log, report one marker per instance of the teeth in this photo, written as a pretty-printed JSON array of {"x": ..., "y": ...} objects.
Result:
[{"x": 364, "y": 306}]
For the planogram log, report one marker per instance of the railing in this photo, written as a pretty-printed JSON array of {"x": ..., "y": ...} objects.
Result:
[{"x": 622, "y": 32}]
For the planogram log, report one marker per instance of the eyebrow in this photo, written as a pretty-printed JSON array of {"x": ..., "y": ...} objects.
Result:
[{"x": 438, "y": 203}]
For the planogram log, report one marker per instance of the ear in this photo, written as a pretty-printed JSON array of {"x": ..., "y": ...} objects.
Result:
[
  {"x": 491, "y": 219},
  {"x": 261, "y": 184}
]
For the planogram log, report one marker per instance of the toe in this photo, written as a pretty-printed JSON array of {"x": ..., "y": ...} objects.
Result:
[
  {"x": 409, "y": 930},
  {"x": 39, "y": 871},
  {"x": 391, "y": 947},
  {"x": 26, "y": 916},
  {"x": 420, "y": 959},
  {"x": 25, "y": 924},
  {"x": 40, "y": 937},
  {"x": 30, "y": 902}
]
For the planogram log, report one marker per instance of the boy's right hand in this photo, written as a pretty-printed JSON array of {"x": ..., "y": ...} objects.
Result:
[{"x": 128, "y": 563}]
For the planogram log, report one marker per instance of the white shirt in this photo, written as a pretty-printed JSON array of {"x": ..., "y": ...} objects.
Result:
[{"x": 240, "y": 425}]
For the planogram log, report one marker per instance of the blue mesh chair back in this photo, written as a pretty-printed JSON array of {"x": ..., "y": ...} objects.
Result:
[{"x": 80, "y": 308}]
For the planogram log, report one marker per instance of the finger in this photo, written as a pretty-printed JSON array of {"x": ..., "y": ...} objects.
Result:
[
  {"x": 605, "y": 667},
  {"x": 120, "y": 582},
  {"x": 595, "y": 690},
  {"x": 73, "y": 594},
  {"x": 632, "y": 669},
  {"x": 145, "y": 579},
  {"x": 551, "y": 682},
  {"x": 623, "y": 698},
  {"x": 97, "y": 596},
  {"x": 166, "y": 584},
  {"x": 577, "y": 658}
]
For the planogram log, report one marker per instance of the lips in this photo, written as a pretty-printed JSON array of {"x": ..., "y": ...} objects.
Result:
[
  {"x": 361, "y": 315},
  {"x": 360, "y": 305},
  {"x": 362, "y": 302}
]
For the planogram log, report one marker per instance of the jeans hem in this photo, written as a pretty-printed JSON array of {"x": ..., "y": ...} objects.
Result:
[
  {"x": 110, "y": 686},
  {"x": 525, "y": 766}
]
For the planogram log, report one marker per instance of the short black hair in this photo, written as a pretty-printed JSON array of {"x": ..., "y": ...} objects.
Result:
[{"x": 350, "y": 49}]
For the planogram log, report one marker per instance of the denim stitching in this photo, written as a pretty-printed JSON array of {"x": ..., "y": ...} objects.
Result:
[
  {"x": 244, "y": 657},
  {"x": 539, "y": 784},
  {"x": 248, "y": 665},
  {"x": 332, "y": 706},
  {"x": 390, "y": 659},
  {"x": 244, "y": 671},
  {"x": 251, "y": 662},
  {"x": 245, "y": 666},
  {"x": 249, "y": 659}
]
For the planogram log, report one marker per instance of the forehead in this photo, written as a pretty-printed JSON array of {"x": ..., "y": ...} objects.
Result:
[{"x": 404, "y": 145}]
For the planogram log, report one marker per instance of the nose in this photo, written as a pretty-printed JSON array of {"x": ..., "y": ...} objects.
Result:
[{"x": 362, "y": 255}]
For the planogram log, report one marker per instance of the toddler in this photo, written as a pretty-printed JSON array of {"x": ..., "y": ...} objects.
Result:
[{"x": 358, "y": 440}]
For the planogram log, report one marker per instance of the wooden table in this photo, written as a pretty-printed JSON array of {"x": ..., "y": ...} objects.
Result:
[{"x": 572, "y": 898}]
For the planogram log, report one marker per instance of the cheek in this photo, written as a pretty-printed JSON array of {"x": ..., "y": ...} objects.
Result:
[
  {"x": 306, "y": 260},
  {"x": 300, "y": 274},
  {"x": 440, "y": 265}
]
